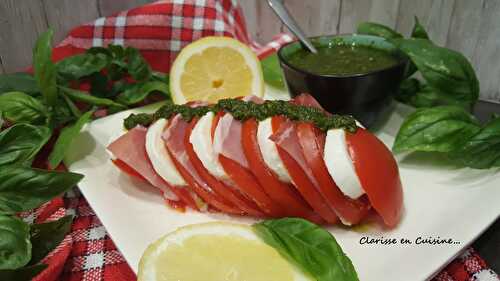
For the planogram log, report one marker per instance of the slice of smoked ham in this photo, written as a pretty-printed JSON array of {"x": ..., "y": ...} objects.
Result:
[
  {"x": 130, "y": 150},
  {"x": 224, "y": 190},
  {"x": 285, "y": 137},
  {"x": 283, "y": 193},
  {"x": 243, "y": 178},
  {"x": 174, "y": 136}
]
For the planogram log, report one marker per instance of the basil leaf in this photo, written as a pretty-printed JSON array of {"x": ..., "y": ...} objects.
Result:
[
  {"x": 137, "y": 66},
  {"x": 15, "y": 245},
  {"x": 1, "y": 120},
  {"x": 45, "y": 237},
  {"x": 139, "y": 91},
  {"x": 445, "y": 70},
  {"x": 61, "y": 114},
  {"x": 376, "y": 29},
  {"x": 23, "y": 189},
  {"x": 45, "y": 69},
  {"x": 481, "y": 151},
  {"x": 407, "y": 90},
  {"x": 65, "y": 138},
  {"x": 159, "y": 76},
  {"x": 89, "y": 99},
  {"x": 418, "y": 30},
  {"x": 22, "y": 274},
  {"x": 21, "y": 82},
  {"x": 429, "y": 97},
  {"x": 271, "y": 69},
  {"x": 310, "y": 247},
  {"x": 81, "y": 65},
  {"x": 99, "y": 85},
  {"x": 439, "y": 129},
  {"x": 20, "y": 107},
  {"x": 20, "y": 143}
]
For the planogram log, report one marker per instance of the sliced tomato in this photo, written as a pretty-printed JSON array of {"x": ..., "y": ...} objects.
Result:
[
  {"x": 378, "y": 173},
  {"x": 312, "y": 141},
  {"x": 285, "y": 194},
  {"x": 247, "y": 183},
  {"x": 304, "y": 184},
  {"x": 127, "y": 169},
  {"x": 189, "y": 173},
  {"x": 220, "y": 188}
]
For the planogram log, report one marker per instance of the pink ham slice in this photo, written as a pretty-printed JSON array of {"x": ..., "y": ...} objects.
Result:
[{"x": 174, "y": 137}]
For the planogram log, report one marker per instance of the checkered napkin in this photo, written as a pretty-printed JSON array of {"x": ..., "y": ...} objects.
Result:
[{"x": 159, "y": 30}]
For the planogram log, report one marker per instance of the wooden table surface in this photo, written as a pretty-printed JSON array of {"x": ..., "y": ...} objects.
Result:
[{"x": 488, "y": 244}]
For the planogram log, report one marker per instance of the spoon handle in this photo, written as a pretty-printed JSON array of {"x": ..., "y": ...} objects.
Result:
[{"x": 281, "y": 11}]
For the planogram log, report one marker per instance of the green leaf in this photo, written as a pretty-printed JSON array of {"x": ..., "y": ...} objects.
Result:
[
  {"x": 418, "y": 30},
  {"x": 20, "y": 143},
  {"x": 64, "y": 140},
  {"x": 45, "y": 237},
  {"x": 137, "y": 66},
  {"x": 81, "y": 65},
  {"x": 99, "y": 85},
  {"x": 89, "y": 99},
  {"x": 444, "y": 70},
  {"x": 139, "y": 91},
  {"x": 376, "y": 29},
  {"x": 430, "y": 97},
  {"x": 271, "y": 69},
  {"x": 21, "y": 82},
  {"x": 308, "y": 246},
  {"x": 20, "y": 107},
  {"x": 23, "y": 189},
  {"x": 15, "y": 245},
  {"x": 481, "y": 151},
  {"x": 22, "y": 274},
  {"x": 45, "y": 69},
  {"x": 72, "y": 107},
  {"x": 407, "y": 90},
  {"x": 438, "y": 129}
]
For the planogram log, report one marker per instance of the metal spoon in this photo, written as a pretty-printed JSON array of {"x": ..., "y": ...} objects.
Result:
[{"x": 285, "y": 17}]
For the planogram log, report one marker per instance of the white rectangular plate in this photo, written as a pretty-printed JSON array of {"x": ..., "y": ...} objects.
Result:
[{"x": 440, "y": 201}]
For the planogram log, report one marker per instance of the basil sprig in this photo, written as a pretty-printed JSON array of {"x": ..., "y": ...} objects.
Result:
[
  {"x": 271, "y": 69},
  {"x": 310, "y": 247}
]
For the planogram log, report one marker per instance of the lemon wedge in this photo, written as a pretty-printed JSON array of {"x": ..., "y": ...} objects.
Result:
[
  {"x": 215, "y": 251},
  {"x": 213, "y": 68}
]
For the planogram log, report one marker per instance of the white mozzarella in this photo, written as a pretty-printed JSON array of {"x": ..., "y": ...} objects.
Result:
[
  {"x": 339, "y": 164},
  {"x": 201, "y": 139},
  {"x": 158, "y": 154},
  {"x": 270, "y": 152}
]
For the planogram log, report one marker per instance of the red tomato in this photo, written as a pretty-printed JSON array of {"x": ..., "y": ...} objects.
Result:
[
  {"x": 219, "y": 187},
  {"x": 312, "y": 141},
  {"x": 302, "y": 182},
  {"x": 247, "y": 183},
  {"x": 281, "y": 192},
  {"x": 127, "y": 169},
  {"x": 197, "y": 185},
  {"x": 378, "y": 173}
]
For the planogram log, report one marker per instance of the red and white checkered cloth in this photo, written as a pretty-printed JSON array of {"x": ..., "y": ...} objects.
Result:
[{"x": 159, "y": 30}]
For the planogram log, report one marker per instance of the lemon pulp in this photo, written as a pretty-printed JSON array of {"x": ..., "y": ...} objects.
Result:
[{"x": 221, "y": 258}]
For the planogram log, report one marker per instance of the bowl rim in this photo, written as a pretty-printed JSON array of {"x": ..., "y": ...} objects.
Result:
[{"x": 402, "y": 62}]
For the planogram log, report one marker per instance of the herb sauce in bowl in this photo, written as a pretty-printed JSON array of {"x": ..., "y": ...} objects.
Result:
[{"x": 342, "y": 60}]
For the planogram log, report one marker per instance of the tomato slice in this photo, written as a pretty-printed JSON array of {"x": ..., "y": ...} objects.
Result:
[
  {"x": 378, "y": 173},
  {"x": 247, "y": 183},
  {"x": 190, "y": 175},
  {"x": 312, "y": 141},
  {"x": 304, "y": 184},
  {"x": 220, "y": 188},
  {"x": 281, "y": 192},
  {"x": 127, "y": 169}
]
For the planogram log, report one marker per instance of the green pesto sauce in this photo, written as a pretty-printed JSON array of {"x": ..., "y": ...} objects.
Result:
[
  {"x": 243, "y": 110},
  {"x": 342, "y": 60}
]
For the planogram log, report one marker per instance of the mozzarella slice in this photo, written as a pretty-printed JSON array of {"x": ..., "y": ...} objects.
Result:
[
  {"x": 201, "y": 139},
  {"x": 339, "y": 164},
  {"x": 158, "y": 154},
  {"x": 270, "y": 152}
]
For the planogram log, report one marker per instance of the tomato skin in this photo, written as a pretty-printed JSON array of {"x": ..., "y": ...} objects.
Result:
[
  {"x": 202, "y": 191},
  {"x": 312, "y": 141},
  {"x": 378, "y": 173},
  {"x": 301, "y": 181},
  {"x": 221, "y": 189},
  {"x": 127, "y": 169},
  {"x": 281, "y": 192}
]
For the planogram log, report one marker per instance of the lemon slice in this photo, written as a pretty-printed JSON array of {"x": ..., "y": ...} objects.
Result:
[
  {"x": 213, "y": 68},
  {"x": 214, "y": 252}
]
